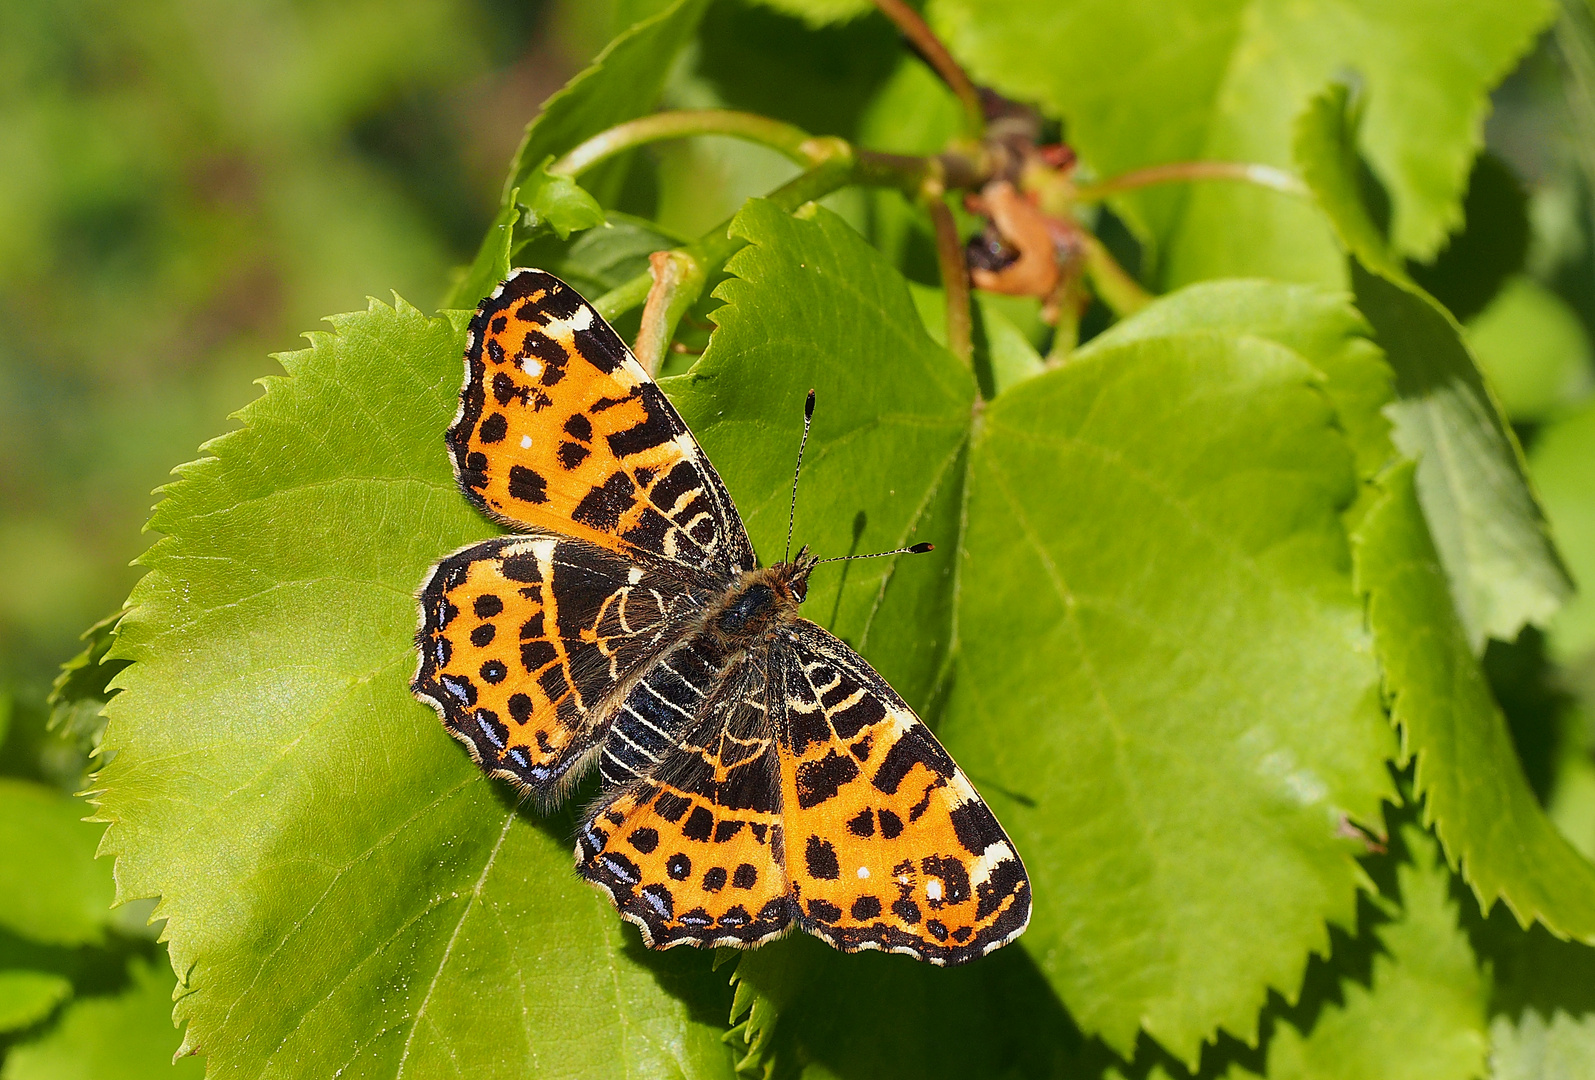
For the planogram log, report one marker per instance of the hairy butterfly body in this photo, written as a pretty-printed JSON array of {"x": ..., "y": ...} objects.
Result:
[{"x": 756, "y": 772}]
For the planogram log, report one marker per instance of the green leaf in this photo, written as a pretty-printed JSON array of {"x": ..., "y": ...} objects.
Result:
[
  {"x": 902, "y": 431},
  {"x": 1156, "y": 522},
  {"x": 492, "y": 263},
  {"x": 556, "y": 203},
  {"x": 52, "y": 889},
  {"x": 621, "y": 84},
  {"x": 600, "y": 259},
  {"x": 1315, "y": 323},
  {"x": 1563, "y": 463},
  {"x": 26, "y": 997},
  {"x": 1536, "y": 353},
  {"x": 1543, "y": 1009},
  {"x": 1489, "y": 530},
  {"x": 1143, "y": 83},
  {"x": 77, "y": 699},
  {"x": 1419, "y": 1014},
  {"x": 1174, "y": 738},
  {"x": 343, "y": 888},
  {"x": 126, "y": 1037},
  {"x": 1468, "y": 774}
]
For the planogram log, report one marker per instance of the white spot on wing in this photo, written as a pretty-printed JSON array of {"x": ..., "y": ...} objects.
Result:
[
  {"x": 582, "y": 319},
  {"x": 526, "y": 442},
  {"x": 933, "y": 889},
  {"x": 863, "y": 872},
  {"x": 533, "y": 367}
]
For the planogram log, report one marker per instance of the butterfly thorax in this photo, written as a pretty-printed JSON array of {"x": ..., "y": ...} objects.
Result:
[{"x": 761, "y": 601}]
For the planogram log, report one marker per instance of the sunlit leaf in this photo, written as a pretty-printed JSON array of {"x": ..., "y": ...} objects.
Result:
[
  {"x": 1474, "y": 791},
  {"x": 343, "y": 888},
  {"x": 1485, "y": 522}
]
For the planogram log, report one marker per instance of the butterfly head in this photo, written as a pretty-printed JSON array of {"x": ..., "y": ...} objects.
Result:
[{"x": 794, "y": 576}]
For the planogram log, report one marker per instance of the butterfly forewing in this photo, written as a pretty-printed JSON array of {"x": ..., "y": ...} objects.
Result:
[
  {"x": 888, "y": 844},
  {"x": 560, "y": 428}
]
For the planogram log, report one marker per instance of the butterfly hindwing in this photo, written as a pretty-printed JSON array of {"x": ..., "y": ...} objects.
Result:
[
  {"x": 888, "y": 844},
  {"x": 525, "y": 639},
  {"x": 560, "y": 428},
  {"x": 690, "y": 849}
]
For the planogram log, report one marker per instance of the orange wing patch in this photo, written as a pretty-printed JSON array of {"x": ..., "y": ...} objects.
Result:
[
  {"x": 560, "y": 428},
  {"x": 888, "y": 845},
  {"x": 525, "y": 641},
  {"x": 687, "y": 871},
  {"x": 693, "y": 850}
]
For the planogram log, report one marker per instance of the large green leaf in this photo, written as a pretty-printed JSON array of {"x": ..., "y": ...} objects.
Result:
[
  {"x": 1146, "y": 82},
  {"x": 1418, "y": 1012},
  {"x": 1159, "y": 649},
  {"x": 125, "y": 1037},
  {"x": 1468, "y": 773},
  {"x": 621, "y": 84},
  {"x": 1316, "y": 323},
  {"x": 51, "y": 888},
  {"x": 1176, "y": 735},
  {"x": 1488, "y": 528},
  {"x": 344, "y": 890}
]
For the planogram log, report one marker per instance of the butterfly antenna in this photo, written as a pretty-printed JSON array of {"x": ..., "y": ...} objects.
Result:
[
  {"x": 915, "y": 549},
  {"x": 808, "y": 418}
]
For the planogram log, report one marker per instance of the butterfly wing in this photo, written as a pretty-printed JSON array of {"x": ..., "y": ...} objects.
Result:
[
  {"x": 687, "y": 838},
  {"x": 888, "y": 844},
  {"x": 560, "y": 428},
  {"x": 526, "y": 642}
]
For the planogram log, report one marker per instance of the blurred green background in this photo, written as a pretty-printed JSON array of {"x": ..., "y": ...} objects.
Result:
[
  {"x": 184, "y": 188},
  {"x": 187, "y": 185}
]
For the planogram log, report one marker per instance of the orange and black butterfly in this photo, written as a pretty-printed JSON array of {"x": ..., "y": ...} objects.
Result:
[{"x": 756, "y": 772}]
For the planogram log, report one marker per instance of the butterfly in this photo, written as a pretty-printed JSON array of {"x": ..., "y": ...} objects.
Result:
[{"x": 756, "y": 773}]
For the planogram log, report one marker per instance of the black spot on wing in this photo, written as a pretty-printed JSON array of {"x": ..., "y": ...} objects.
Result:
[
  {"x": 658, "y": 427},
  {"x": 820, "y": 858},
  {"x": 820, "y": 780},
  {"x": 976, "y": 827},
  {"x": 602, "y": 507},
  {"x": 493, "y": 428},
  {"x": 527, "y": 486},
  {"x": 911, "y": 749}
]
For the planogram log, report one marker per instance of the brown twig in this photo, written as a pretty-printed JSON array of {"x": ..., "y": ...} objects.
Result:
[
  {"x": 930, "y": 47},
  {"x": 954, "y": 273}
]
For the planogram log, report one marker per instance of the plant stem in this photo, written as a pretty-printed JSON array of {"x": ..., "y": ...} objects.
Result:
[
  {"x": 678, "y": 281},
  {"x": 954, "y": 273},
  {"x": 791, "y": 141},
  {"x": 1262, "y": 175},
  {"x": 713, "y": 248},
  {"x": 930, "y": 47},
  {"x": 1117, "y": 289}
]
